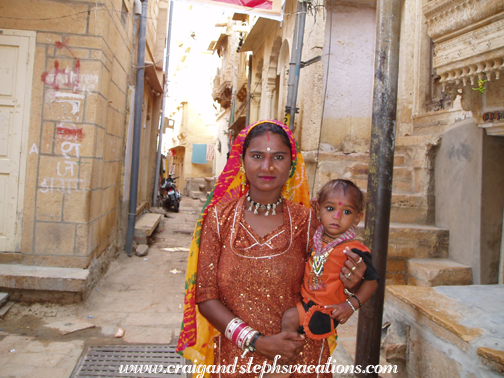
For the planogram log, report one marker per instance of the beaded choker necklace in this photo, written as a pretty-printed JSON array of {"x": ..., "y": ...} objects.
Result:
[{"x": 256, "y": 205}]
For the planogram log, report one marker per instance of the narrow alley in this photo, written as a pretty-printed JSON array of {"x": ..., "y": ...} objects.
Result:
[{"x": 141, "y": 295}]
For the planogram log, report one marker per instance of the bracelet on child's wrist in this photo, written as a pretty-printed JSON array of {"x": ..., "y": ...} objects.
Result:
[
  {"x": 351, "y": 305},
  {"x": 357, "y": 299}
]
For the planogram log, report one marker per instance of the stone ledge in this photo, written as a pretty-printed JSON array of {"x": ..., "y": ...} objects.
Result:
[
  {"x": 25, "y": 277},
  {"x": 436, "y": 307},
  {"x": 147, "y": 223},
  {"x": 494, "y": 357},
  {"x": 438, "y": 272}
]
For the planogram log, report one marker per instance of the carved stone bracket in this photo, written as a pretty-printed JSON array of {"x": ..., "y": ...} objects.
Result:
[{"x": 469, "y": 46}]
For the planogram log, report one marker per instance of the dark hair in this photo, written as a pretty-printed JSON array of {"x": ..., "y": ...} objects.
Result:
[
  {"x": 340, "y": 184},
  {"x": 261, "y": 129}
]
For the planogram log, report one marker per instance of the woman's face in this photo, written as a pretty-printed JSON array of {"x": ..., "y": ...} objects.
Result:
[{"x": 267, "y": 162}]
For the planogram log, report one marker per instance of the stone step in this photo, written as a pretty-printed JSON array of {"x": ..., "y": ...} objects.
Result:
[
  {"x": 39, "y": 283},
  {"x": 409, "y": 241},
  {"x": 448, "y": 331},
  {"x": 147, "y": 223},
  {"x": 402, "y": 181},
  {"x": 4, "y": 297},
  {"x": 438, "y": 272},
  {"x": 195, "y": 194},
  {"x": 411, "y": 208}
]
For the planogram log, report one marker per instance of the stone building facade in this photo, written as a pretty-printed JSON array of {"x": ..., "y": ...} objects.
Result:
[
  {"x": 447, "y": 202},
  {"x": 68, "y": 75}
]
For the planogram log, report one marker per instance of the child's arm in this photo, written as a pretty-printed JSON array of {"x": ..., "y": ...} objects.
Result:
[{"x": 343, "y": 311}]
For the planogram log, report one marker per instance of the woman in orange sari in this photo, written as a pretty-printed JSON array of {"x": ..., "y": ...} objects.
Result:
[{"x": 247, "y": 259}]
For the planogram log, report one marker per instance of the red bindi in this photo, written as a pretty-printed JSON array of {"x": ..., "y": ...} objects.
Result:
[{"x": 340, "y": 203}]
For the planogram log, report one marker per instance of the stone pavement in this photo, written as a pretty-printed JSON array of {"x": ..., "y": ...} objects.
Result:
[{"x": 141, "y": 295}]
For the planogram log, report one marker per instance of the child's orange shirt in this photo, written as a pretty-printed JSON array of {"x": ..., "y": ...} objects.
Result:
[{"x": 332, "y": 293}]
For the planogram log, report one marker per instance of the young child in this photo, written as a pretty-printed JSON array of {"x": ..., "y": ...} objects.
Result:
[{"x": 324, "y": 304}]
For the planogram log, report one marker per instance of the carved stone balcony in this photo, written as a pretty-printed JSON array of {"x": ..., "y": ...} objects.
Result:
[
  {"x": 469, "y": 45},
  {"x": 222, "y": 92}
]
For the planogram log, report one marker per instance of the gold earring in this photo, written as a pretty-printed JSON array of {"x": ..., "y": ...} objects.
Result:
[{"x": 243, "y": 178}]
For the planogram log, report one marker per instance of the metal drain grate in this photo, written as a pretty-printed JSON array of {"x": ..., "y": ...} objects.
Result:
[{"x": 130, "y": 361}]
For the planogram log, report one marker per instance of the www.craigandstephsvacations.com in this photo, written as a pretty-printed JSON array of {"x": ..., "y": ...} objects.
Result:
[{"x": 261, "y": 369}]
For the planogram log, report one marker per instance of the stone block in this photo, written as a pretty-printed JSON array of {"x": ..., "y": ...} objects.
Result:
[
  {"x": 111, "y": 172},
  {"x": 493, "y": 358},
  {"x": 54, "y": 238},
  {"x": 119, "y": 75},
  {"x": 74, "y": 54},
  {"x": 398, "y": 160},
  {"x": 395, "y": 279},
  {"x": 99, "y": 24},
  {"x": 80, "y": 41},
  {"x": 438, "y": 272},
  {"x": 80, "y": 143},
  {"x": 394, "y": 265},
  {"x": 116, "y": 97},
  {"x": 49, "y": 206},
  {"x": 105, "y": 80},
  {"x": 4, "y": 297},
  {"x": 37, "y": 15},
  {"x": 48, "y": 38},
  {"x": 116, "y": 123},
  {"x": 86, "y": 166},
  {"x": 96, "y": 109},
  {"x": 96, "y": 201},
  {"x": 77, "y": 206},
  {"x": 147, "y": 223},
  {"x": 100, "y": 142},
  {"x": 83, "y": 240},
  {"x": 47, "y": 142},
  {"x": 142, "y": 250},
  {"x": 357, "y": 169},
  {"x": 90, "y": 75},
  {"x": 113, "y": 145},
  {"x": 110, "y": 198},
  {"x": 43, "y": 278}
]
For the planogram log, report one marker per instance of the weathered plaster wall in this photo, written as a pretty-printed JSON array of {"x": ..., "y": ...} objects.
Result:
[
  {"x": 458, "y": 177},
  {"x": 350, "y": 46}
]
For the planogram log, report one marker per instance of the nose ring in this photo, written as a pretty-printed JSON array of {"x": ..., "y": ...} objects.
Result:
[{"x": 271, "y": 168}]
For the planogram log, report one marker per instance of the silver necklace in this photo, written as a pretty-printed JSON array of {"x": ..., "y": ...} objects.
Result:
[
  {"x": 232, "y": 237},
  {"x": 256, "y": 205}
]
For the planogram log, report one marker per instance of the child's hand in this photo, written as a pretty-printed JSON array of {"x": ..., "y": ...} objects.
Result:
[{"x": 341, "y": 312}]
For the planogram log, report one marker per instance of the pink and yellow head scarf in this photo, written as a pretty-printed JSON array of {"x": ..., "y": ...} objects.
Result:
[{"x": 196, "y": 337}]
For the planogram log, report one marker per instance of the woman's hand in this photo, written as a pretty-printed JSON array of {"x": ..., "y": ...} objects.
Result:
[
  {"x": 353, "y": 272},
  {"x": 285, "y": 344}
]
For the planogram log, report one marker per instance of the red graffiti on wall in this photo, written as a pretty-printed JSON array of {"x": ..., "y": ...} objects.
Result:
[
  {"x": 70, "y": 133},
  {"x": 67, "y": 78},
  {"x": 63, "y": 45},
  {"x": 57, "y": 78}
]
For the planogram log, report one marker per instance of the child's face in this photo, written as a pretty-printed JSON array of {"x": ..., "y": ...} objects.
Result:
[{"x": 338, "y": 213}]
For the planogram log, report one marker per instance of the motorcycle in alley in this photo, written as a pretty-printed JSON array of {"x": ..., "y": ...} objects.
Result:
[{"x": 170, "y": 195}]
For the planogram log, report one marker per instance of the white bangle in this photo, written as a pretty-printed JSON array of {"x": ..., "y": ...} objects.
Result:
[{"x": 351, "y": 305}]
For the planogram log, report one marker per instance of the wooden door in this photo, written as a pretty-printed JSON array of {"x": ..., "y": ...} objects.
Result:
[{"x": 17, "y": 49}]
